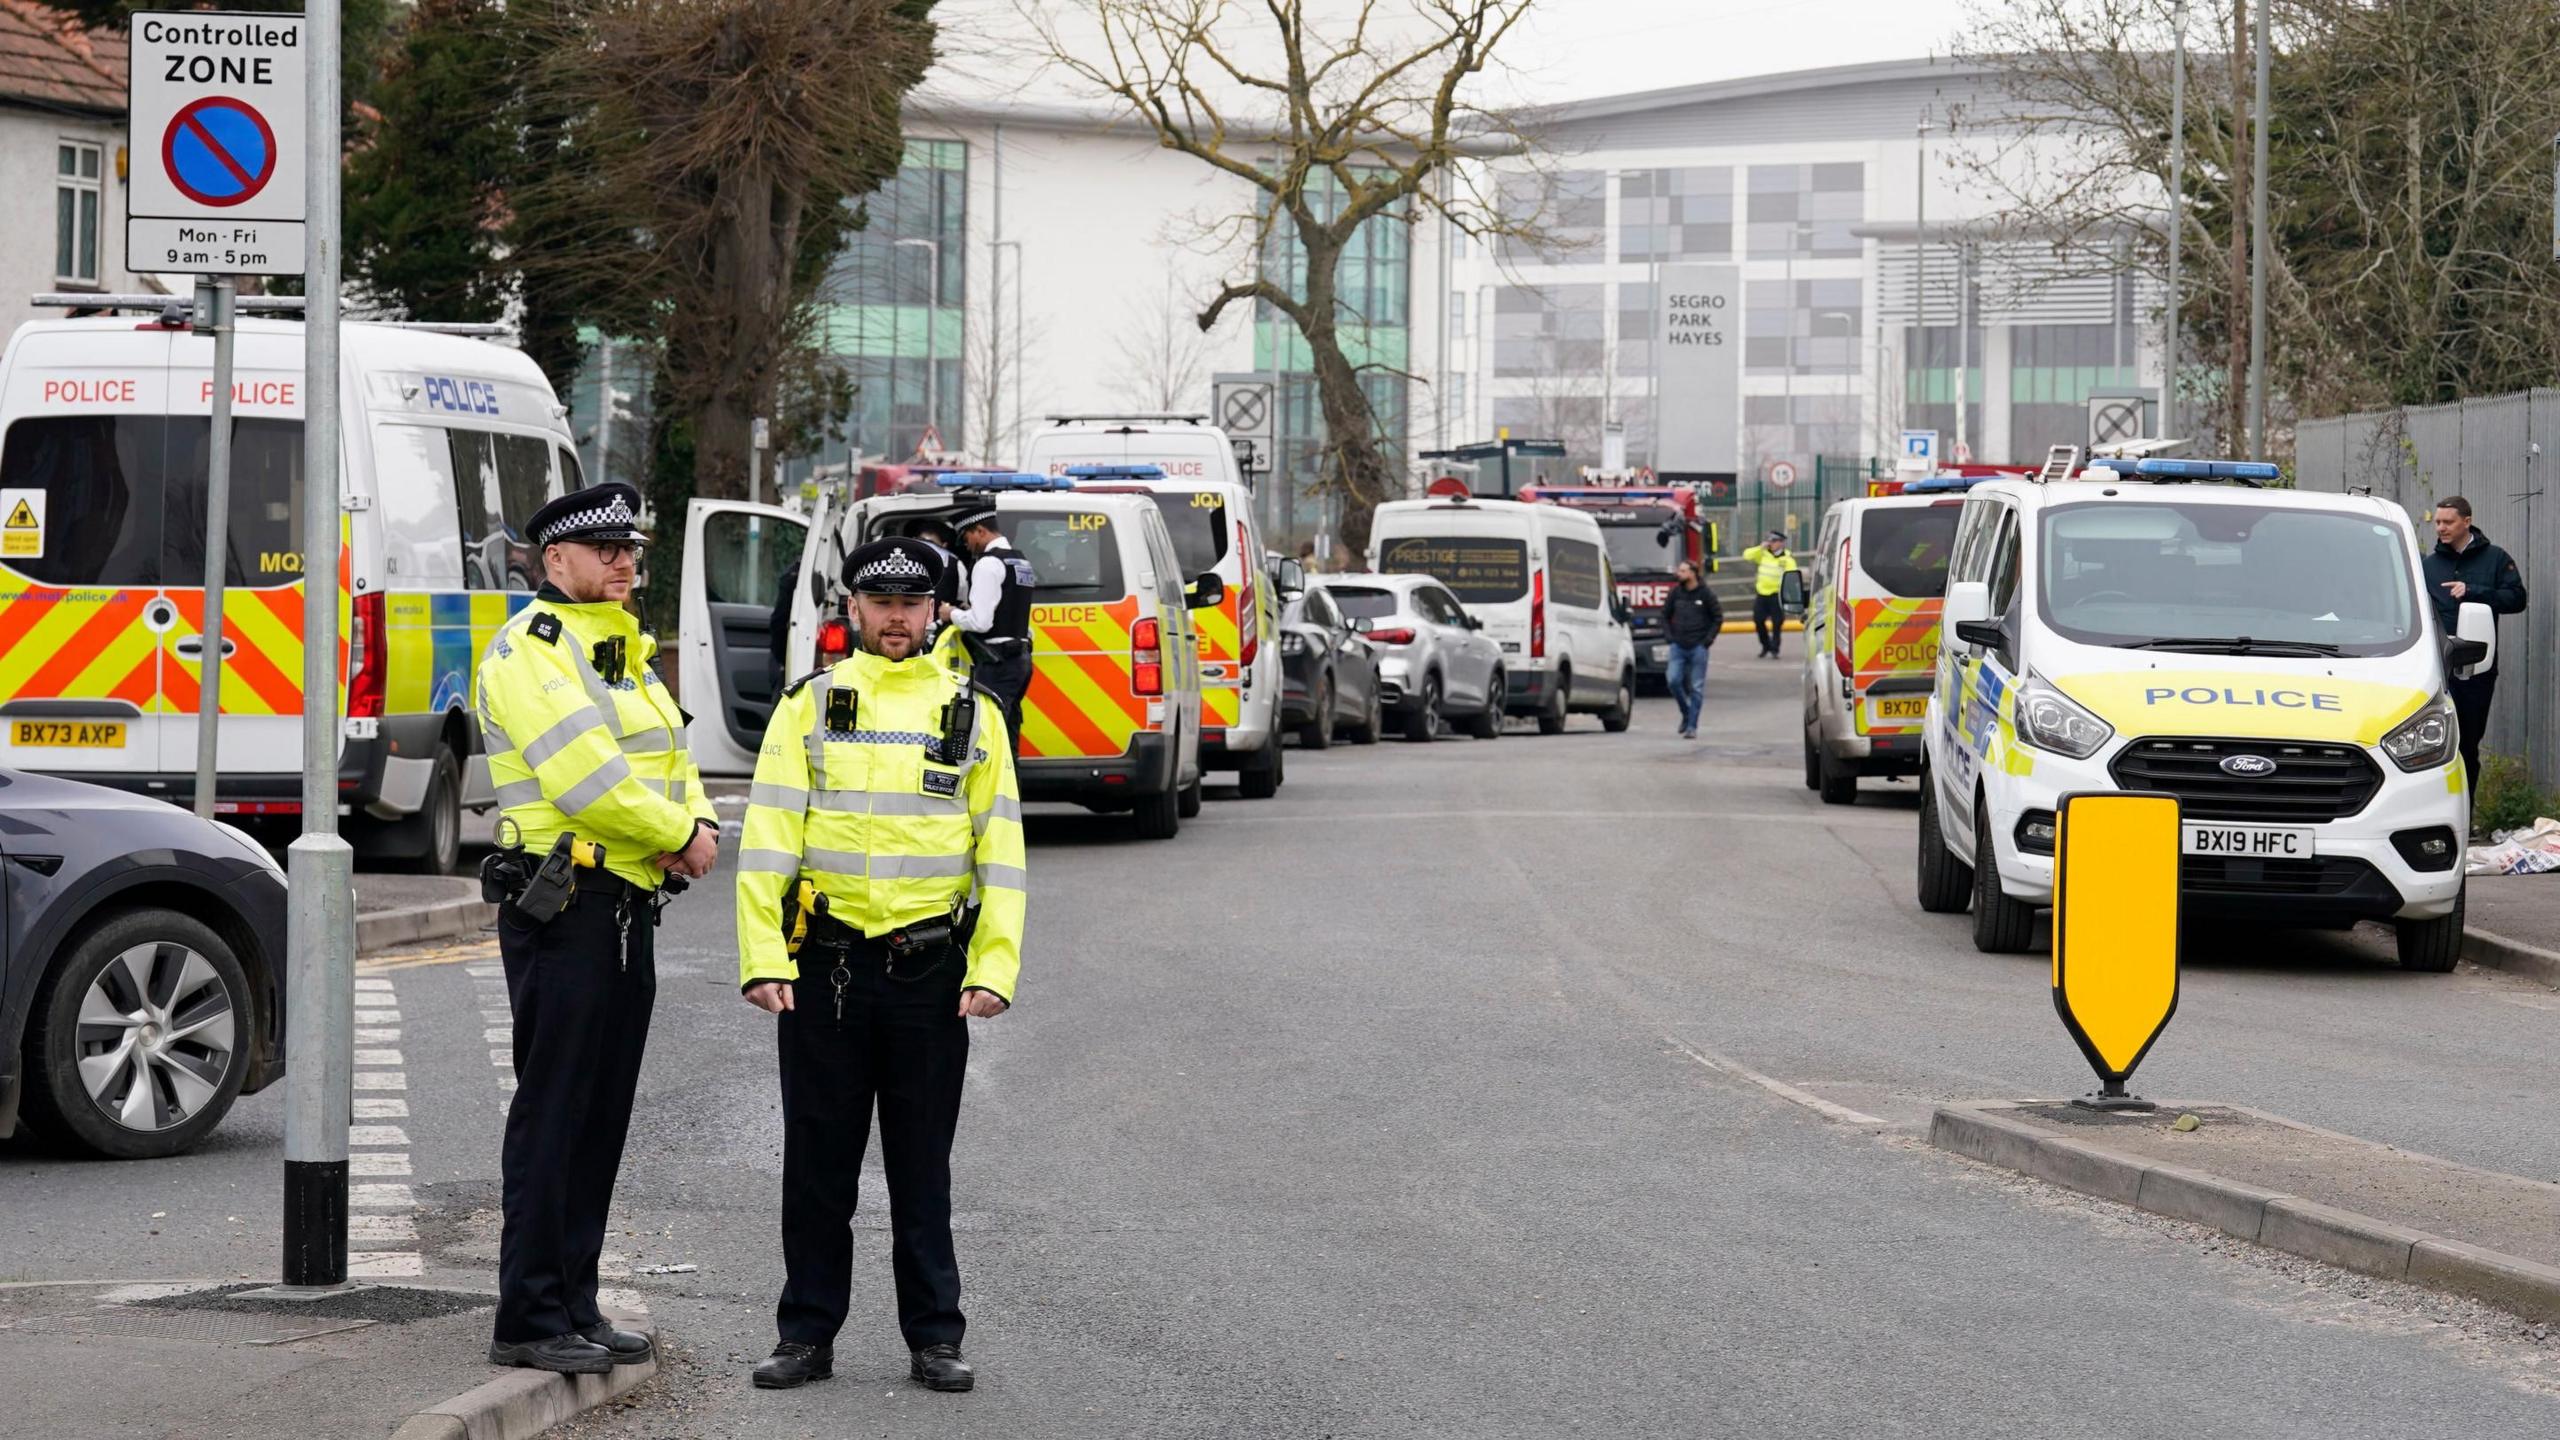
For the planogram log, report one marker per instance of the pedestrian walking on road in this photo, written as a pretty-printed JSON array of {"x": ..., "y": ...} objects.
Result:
[
  {"x": 999, "y": 615},
  {"x": 2465, "y": 566},
  {"x": 584, "y": 742},
  {"x": 1768, "y": 616},
  {"x": 880, "y": 903},
  {"x": 1691, "y": 620}
]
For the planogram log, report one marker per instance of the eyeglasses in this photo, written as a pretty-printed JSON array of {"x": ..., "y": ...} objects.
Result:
[{"x": 612, "y": 551}]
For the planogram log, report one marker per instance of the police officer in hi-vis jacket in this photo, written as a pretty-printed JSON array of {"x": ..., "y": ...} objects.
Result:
[{"x": 880, "y": 906}]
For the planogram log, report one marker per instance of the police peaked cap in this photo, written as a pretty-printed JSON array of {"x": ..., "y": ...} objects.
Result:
[
  {"x": 985, "y": 515},
  {"x": 895, "y": 566},
  {"x": 599, "y": 513}
]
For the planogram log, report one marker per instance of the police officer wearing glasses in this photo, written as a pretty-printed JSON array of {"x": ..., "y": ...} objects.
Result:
[
  {"x": 604, "y": 816},
  {"x": 880, "y": 905}
]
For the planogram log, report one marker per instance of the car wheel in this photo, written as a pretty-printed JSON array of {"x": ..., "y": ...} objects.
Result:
[
  {"x": 1945, "y": 881},
  {"x": 430, "y": 842},
  {"x": 1373, "y": 719},
  {"x": 1551, "y": 719},
  {"x": 140, "y": 1037},
  {"x": 1486, "y": 724},
  {"x": 1622, "y": 711},
  {"x": 1188, "y": 807},
  {"x": 1422, "y": 724},
  {"x": 2001, "y": 926},
  {"x": 1260, "y": 778},
  {"x": 1812, "y": 764},
  {"x": 1317, "y": 734},
  {"x": 1839, "y": 784},
  {"x": 2432, "y": 946},
  {"x": 1158, "y": 816}
]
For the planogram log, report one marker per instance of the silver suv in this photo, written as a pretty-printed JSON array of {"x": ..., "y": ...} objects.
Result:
[{"x": 1434, "y": 663}]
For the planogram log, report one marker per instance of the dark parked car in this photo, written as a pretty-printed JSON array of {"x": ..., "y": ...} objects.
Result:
[
  {"x": 1329, "y": 674},
  {"x": 141, "y": 968}
]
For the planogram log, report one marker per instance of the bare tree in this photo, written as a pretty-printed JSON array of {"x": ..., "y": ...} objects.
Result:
[
  {"x": 1164, "y": 357},
  {"x": 1334, "y": 127},
  {"x": 708, "y": 150}
]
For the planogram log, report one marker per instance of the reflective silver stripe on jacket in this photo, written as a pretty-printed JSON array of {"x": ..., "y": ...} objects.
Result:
[
  {"x": 520, "y": 792},
  {"x": 768, "y": 862},
  {"x": 563, "y": 733},
  {"x": 592, "y": 789}
]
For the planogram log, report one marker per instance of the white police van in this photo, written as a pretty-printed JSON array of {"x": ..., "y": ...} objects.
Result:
[
  {"x": 450, "y": 444},
  {"x": 2270, "y": 657}
]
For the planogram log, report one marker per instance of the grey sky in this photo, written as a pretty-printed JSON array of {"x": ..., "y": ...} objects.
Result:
[{"x": 1573, "y": 48}]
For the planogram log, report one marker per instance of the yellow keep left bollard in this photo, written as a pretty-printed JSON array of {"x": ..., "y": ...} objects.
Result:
[{"x": 2115, "y": 931}]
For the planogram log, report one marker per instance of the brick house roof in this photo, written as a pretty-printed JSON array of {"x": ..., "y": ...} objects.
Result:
[{"x": 47, "y": 59}]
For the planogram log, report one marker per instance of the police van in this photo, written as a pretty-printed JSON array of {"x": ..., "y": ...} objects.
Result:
[
  {"x": 1208, "y": 509},
  {"x": 450, "y": 445},
  {"x": 1537, "y": 579},
  {"x": 1114, "y": 714},
  {"x": 2267, "y": 656},
  {"x": 1878, "y": 572}
]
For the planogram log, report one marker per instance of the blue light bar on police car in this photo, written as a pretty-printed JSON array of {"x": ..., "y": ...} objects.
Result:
[
  {"x": 1003, "y": 480},
  {"x": 2169, "y": 469},
  {"x": 1116, "y": 472}
]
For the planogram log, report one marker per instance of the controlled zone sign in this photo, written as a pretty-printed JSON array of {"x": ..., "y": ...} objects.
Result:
[
  {"x": 216, "y": 132},
  {"x": 2115, "y": 927}
]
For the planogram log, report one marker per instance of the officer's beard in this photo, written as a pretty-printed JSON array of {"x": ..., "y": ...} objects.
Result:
[{"x": 892, "y": 641}]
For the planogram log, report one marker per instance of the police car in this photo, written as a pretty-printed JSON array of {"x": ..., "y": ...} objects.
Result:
[
  {"x": 451, "y": 444},
  {"x": 2267, "y": 656}
]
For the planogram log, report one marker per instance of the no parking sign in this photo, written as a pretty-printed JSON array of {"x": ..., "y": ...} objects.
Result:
[{"x": 216, "y": 136}]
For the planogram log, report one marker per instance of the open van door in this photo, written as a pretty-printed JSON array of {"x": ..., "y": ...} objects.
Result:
[{"x": 742, "y": 563}]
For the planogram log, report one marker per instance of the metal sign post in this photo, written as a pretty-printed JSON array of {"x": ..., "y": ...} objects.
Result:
[
  {"x": 2115, "y": 931},
  {"x": 321, "y": 932},
  {"x": 214, "y": 317}
]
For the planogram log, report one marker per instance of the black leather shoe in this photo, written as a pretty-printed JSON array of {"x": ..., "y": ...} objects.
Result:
[
  {"x": 570, "y": 1354},
  {"x": 793, "y": 1364},
  {"x": 625, "y": 1347},
  {"x": 939, "y": 1367}
]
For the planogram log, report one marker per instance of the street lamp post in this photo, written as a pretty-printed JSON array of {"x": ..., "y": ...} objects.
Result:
[
  {"x": 2259, "y": 247},
  {"x": 1848, "y": 332},
  {"x": 2177, "y": 212},
  {"x": 932, "y": 337},
  {"x": 1012, "y": 360}
]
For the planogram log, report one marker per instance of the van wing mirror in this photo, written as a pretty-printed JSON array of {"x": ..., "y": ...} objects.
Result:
[
  {"x": 1207, "y": 590},
  {"x": 1968, "y": 604},
  {"x": 2475, "y": 643},
  {"x": 1791, "y": 592}
]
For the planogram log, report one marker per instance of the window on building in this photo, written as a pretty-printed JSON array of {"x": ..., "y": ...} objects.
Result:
[
  {"x": 1929, "y": 383},
  {"x": 1814, "y": 331},
  {"x": 1684, "y": 214},
  {"x": 78, "y": 192},
  {"x": 1549, "y": 330},
  {"x": 896, "y": 310},
  {"x": 1571, "y": 207},
  {"x": 1458, "y": 316},
  {"x": 1808, "y": 211}
]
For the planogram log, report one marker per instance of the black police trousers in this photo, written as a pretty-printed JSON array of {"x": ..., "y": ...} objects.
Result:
[
  {"x": 1769, "y": 621},
  {"x": 2471, "y": 701},
  {"x": 900, "y": 1043},
  {"x": 1010, "y": 679},
  {"x": 581, "y": 1022}
]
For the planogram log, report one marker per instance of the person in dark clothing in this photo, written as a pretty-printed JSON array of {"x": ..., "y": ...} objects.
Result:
[
  {"x": 778, "y": 629},
  {"x": 1691, "y": 620},
  {"x": 2466, "y": 567}
]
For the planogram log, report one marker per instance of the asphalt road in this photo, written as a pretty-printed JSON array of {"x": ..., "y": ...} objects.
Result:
[{"x": 1422, "y": 1101}]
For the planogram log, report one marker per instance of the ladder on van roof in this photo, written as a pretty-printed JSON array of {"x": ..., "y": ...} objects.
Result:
[{"x": 179, "y": 311}]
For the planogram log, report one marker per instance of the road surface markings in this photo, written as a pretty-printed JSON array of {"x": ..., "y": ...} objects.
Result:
[
  {"x": 1780, "y": 1088},
  {"x": 476, "y": 949},
  {"x": 497, "y": 1016},
  {"x": 1876, "y": 819},
  {"x": 382, "y": 1225}
]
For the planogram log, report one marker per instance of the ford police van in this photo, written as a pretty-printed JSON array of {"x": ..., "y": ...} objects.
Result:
[
  {"x": 2267, "y": 656},
  {"x": 450, "y": 446},
  {"x": 1114, "y": 715},
  {"x": 1208, "y": 509},
  {"x": 1538, "y": 579},
  {"x": 1879, "y": 570}
]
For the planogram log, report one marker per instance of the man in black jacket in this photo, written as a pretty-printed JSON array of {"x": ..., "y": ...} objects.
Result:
[
  {"x": 2464, "y": 567},
  {"x": 1691, "y": 620}
]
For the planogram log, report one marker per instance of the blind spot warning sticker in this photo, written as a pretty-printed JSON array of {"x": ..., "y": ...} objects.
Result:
[{"x": 21, "y": 524}]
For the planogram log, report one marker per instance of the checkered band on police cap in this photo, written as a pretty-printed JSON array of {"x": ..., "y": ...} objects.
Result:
[
  {"x": 599, "y": 512},
  {"x": 896, "y": 566}
]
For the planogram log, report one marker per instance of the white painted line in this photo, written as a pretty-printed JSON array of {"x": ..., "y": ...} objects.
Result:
[
  {"x": 378, "y": 1137},
  {"x": 377, "y": 1017},
  {"x": 498, "y": 1034},
  {"x": 485, "y": 971},
  {"x": 381, "y": 1107},
  {"x": 380, "y": 1197},
  {"x": 372, "y": 1163},
  {"x": 506, "y": 1084},
  {"x": 497, "y": 1017},
  {"x": 381, "y": 1080},
  {"x": 370, "y": 982},
  {"x": 503, "y": 1059},
  {"x": 613, "y": 1265},
  {"x": 378, "y": 1057},
  {"x": 377, "y": 1034},
  {"x": 385, "y": 1264},
  {"x": 1779, "y": 1088},
  {"x": 382, "y": 1230}
]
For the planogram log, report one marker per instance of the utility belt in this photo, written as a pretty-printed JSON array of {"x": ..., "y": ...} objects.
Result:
[
  {"x": 990, "y": 648},
  {"x": 571, "y": 873},
  {"x": 907, "y": 954}
]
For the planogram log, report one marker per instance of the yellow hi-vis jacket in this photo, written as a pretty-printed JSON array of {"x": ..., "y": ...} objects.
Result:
[
  {"x": 569, "y": 750},
  {"x": 888, "y": 833},
  {"x": 1773, "y": 568}
]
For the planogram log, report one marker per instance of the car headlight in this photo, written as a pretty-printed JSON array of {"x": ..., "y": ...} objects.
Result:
[
  {"x": 1293, "y": 645},
  {"x": 2425, "y": 740},
  {"x": 2051, "y": 720}
]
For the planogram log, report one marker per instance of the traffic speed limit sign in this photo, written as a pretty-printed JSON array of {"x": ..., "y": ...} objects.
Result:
[{"x": 1782, "y": 473}]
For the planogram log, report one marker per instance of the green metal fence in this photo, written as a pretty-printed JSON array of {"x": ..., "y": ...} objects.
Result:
[{"x": 1759, "y": 507}]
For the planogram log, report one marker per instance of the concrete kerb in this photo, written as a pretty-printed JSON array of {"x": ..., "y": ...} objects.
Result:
[
  {"x": 2497, "y": 952},
  {"x": 2280, "y": 1222},
  {"x": 381, "y": 930},
  {"x": 521, "y": 1404}
]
